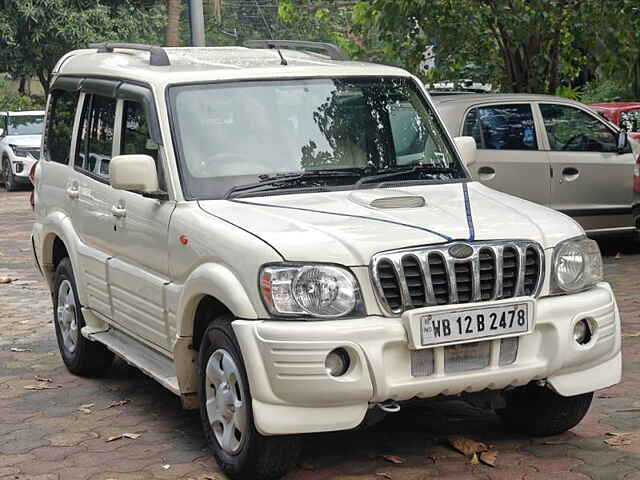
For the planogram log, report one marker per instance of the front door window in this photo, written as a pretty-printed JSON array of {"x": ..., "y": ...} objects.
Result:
[{"x": 570, "y": 129}]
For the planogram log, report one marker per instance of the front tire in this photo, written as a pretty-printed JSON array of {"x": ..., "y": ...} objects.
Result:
[
  {"x": 227, "y": 416},
  {"x": 81, "y": 356},
  {"x": 541, "y": 412},
  {"x": 8, "y": 177}
]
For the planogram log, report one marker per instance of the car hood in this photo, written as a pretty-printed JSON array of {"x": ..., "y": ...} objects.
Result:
[
  {"x": 23, "y": 140},
  {"x": 344, "y": 227}
]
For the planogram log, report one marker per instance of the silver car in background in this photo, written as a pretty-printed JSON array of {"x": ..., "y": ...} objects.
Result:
[
  {"x": 550, "y": 150},
  {"x": 20, "y": 137}
]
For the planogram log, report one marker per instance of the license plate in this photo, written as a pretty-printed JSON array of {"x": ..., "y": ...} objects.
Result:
[{"x": 468, "y": 324}]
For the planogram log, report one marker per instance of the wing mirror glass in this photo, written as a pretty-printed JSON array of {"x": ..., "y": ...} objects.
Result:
[
  {"x": 467, "y": 148},
  {"x": 135, "y": 173}
]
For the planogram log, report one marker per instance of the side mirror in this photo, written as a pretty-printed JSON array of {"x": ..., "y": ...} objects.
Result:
[
  {"x": 623, "y": 141},
  {"x": 134, "y": 173},
  {"x": 467, "y": 148}
]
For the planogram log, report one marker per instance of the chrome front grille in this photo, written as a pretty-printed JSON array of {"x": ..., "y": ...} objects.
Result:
[{"x": 419, "y": 277}]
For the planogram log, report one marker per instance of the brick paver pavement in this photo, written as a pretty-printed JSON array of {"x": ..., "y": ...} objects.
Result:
[{"x": 60, "y": 433}]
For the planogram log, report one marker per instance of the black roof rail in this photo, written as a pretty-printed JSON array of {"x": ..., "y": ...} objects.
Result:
[
  {"x": 333, "y": 51},
  {"x": 158, "y": 57}
]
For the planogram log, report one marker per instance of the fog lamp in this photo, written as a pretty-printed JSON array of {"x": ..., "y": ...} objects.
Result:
[
  {"x": 337, "y": 362},
  {"x": 19, "y": 166},
  {"x": 582, "y": 332}
]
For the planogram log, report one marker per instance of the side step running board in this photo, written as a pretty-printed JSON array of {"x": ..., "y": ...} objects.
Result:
[{"x": 135, "y": 353}]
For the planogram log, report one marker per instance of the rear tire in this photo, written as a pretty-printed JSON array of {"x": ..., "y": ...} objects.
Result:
[
  {"x": 541, "y": 412},
  {"x": 81, "y": 356},
  {"x": 227, "y": 415}
]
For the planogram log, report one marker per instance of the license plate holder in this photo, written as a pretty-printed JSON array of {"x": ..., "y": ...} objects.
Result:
[{"x": 427, "y": 327}]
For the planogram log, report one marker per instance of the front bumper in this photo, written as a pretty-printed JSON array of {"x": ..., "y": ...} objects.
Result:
[{"x": 292, "y": 393}]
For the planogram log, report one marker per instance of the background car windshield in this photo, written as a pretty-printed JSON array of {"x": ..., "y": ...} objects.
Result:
[
  {"x": 25, "y": 124},
  {"x": 231, "y": 134}
]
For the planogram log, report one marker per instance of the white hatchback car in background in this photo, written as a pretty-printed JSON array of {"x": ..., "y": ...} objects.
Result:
[
  {"x": 20, "y": 138},
  {"x": 292, "y": 243}
]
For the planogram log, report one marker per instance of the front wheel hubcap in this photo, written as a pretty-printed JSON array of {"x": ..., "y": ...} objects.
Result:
[
  {"x": 67, "y": 316},
  {"x": 225, "y": 401}
]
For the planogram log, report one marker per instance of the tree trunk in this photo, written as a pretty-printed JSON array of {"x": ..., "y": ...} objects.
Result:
[
  {"x": 45, "y": 80},
  {"x": 173, "y": 23}
]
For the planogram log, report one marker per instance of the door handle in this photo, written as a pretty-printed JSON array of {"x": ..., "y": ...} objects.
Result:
[
  {"x": 118, "y": 211},
  {"x": 569, "y": 174},
  {"x": 486, "y": 173},
  {"x": 73, "y": 192}
]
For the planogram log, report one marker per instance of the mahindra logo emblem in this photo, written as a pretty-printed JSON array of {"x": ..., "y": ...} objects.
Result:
[{"x": 460, "y": 250}]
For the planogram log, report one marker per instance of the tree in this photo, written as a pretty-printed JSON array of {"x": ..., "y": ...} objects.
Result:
[
  {"x": 521, "y": 45},
  {"x": 34, "y": 34},
  {"x": 173, "y": 23}
]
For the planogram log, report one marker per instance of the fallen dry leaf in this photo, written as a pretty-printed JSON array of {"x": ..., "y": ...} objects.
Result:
[
  {"x": 631, "y": 335},
  {"x": 43, "y": 379},
  {"x": 307, "y": 466},
  {"x": 6, "y": 280},
  {"x": 619, "y": 439},
  {"x": 607, "y": 395},
  {"x": 119, "y": 403},
  {"x": 86, "y": 408},
  {"x": 554, "y": 442},
  {"x": 628, "y": 410},
  {"x": 489, "y": 457},
  {"x": 384, "y": 475},
  {"x": 474, "y": 459},
  {"x": 42, "y": 386},
  {"x": 466, "y": 446},
  {"x": 20, "y": 350},
  {"x": 394, "y": 459},
  {"x": 124, "y": 435}
]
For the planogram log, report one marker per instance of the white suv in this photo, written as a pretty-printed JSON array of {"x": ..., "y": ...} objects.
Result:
[
  {"x": 291, "y": 242},
  {"x": 20, "y": 139}
]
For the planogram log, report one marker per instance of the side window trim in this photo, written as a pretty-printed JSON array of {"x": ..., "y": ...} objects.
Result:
[
  {"x": 117, "y": 129},
  {"x": 73, "y": 151}
]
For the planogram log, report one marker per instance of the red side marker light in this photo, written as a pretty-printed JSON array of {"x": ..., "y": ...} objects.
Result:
[{"x": 184, "y": 239}]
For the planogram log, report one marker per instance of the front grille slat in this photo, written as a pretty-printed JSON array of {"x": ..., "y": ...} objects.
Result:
[{"x": 415, "y": 278}]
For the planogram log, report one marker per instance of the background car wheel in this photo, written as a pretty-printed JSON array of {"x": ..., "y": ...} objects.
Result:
[
  {"x": 227, "y": 416},
  {"x": 81, "y": 356},
  {"x": 7, "y": 176},
  {"x": 541, "y": 412}
]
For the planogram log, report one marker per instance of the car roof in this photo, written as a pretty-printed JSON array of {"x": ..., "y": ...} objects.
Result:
[
  {"x": 26, "y": 112},
  {"x": 202, "y": 64}
]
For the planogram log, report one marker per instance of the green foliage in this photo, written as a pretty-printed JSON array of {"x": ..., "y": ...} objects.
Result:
[
  {"x": 34, "y": 34},
  {"x": 606, "y": 90},
  {"x": 12, "y": 101},
  {"x": 567, "y": 91}
]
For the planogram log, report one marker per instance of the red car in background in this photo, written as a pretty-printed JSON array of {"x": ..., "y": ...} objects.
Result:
[{"x": 626, "y": 115}]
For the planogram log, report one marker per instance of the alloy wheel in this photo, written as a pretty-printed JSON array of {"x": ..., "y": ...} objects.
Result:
[{"x": 67, "y": 317}]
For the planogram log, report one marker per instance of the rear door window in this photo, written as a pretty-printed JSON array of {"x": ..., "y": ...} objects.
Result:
[
  {"x": 502, "y": 127},
  {"x": 62, "y": 111},
  {"x": 630, "y": 120},
  {"x": 95, "y": 138}
]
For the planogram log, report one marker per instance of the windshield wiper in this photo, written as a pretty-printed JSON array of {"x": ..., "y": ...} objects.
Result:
[
  {"x": 400, "y": 171},
  {"x": 280, "y": 180}
]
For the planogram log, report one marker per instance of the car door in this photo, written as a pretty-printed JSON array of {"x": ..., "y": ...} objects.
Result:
[
  {"x": 592, "y": 180},
  {"x": 509, "y": 158},
  {"x": 89, "y": 191},
  {"x": 138, "y": 267}
]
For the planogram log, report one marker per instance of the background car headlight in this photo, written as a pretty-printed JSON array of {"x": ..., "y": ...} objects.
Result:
[
  {"x": 19, "y": 151},
  {"x": 577, "y": 265},
  {"x": 325, "y": 291}
]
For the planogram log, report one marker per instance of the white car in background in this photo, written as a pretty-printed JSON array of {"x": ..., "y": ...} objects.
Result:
[{"x": 20, "y": 136}]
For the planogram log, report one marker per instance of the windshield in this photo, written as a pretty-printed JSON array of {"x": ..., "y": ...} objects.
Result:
[
  {"x": 25, "y": 124},
  {"x": 243, "y": 132}
]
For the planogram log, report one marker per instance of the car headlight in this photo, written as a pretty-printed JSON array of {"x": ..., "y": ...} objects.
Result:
[
  {"x": 577, "y": 265},
  {"x": 324, "y": 291},
  {"x": 19, "y": 151}
]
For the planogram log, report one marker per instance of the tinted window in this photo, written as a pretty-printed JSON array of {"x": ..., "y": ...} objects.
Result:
[
  {"x": 571, "y": 129},
  {"x": 135, "y": 132},
  {"x": 96, "y": 135},
  {"x": 502, "y": 127},
  {"x": 630, "y": 120},
  {"x": 62, "y": 111}
]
